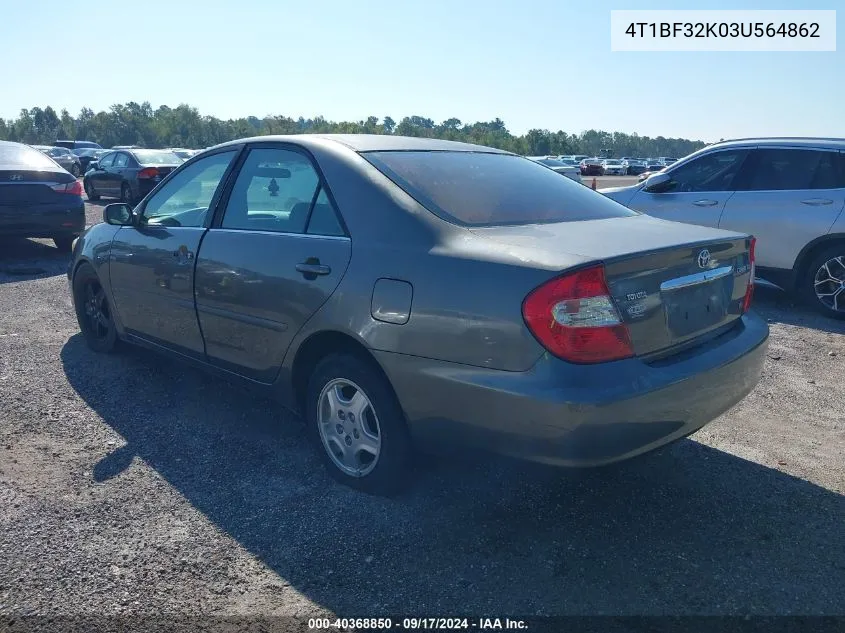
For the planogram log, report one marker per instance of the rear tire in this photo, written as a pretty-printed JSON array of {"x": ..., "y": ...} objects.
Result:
[
  {"x": 93, "y": 311},
  {"x": 64, "y": 243},
  {"x": 823, "y": 283},
  {"x": 126, "y": 194},
  {"x": 371, "y": 452},
  {"x": 89, "y": 191}
]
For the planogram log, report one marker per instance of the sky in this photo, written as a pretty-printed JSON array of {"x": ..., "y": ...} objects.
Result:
[{"x": 533, "y": 63}]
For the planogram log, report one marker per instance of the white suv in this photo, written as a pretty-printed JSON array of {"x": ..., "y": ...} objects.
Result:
[{"x": 787, "y": 192}]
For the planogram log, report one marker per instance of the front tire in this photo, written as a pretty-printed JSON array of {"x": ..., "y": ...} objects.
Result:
[
  {"x": 357, "y": 425},
  {"x": 823, "y": 286},
  {"x": 93, "y": 311}
]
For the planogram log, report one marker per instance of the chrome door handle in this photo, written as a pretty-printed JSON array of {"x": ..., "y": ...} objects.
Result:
[
  {"x": 817, "y": 202},
  {"x": 705, "y": 203}
]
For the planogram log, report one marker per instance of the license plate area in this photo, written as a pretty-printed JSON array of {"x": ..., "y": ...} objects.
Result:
[{"x": 698, "y": 307}]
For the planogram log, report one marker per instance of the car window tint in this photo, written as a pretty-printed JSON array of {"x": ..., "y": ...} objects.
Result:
[
  {"x": 324, "y": 219},
  {"x": 830, "y": 171},
  {"x": 780, "y": 169},
  {"x": 184, "y": 199},
  {"x": 273, "y": 192},
  {"x": 121, "y": 160},
  {"x": 487, "y": 189},
  {"x": 715, "y": 171},
  {"x": 106, "y": 161}
]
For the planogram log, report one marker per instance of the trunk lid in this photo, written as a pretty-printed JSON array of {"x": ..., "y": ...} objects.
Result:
[
  {"x": 672, "y": 283},
  {"x": 27, "y": 188}
]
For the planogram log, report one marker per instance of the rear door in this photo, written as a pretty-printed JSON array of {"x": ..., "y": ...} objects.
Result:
[
  {"x": 152, "y": 263},
  {"x": 786, "y": 197},
  {"x": 274, "y": 255},
  {"x": 698, "y": 190}
]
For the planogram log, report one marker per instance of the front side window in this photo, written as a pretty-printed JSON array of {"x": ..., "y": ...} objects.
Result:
[
  {"x": 184, "y": 199},
  {"x": 715, "y": 171},
  {"x": 107, "y": 160},
  {"x": 782, "y": 169},
  {"x": 488, "y": 189},
  {"x": 273, "y": 192}
]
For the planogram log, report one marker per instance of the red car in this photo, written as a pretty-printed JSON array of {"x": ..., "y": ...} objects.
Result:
[{"x": 591, "y": 167}]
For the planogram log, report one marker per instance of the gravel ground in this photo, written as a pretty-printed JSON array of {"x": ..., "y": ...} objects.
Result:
[{"x": 130, "y": 485}]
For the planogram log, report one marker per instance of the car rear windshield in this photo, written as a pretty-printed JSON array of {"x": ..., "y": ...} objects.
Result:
[
  {"x": 24, "y": 157},
  {"x": 156, "y": 157},
  {"x": 486, "y": 189}
]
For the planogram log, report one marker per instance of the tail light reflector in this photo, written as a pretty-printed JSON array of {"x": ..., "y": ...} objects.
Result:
[
  {"x": 148, "y": 172},
  {"x": 74, "y": 188},
  {"x": 575, "y": 319},
  {"x": 749, "y": 291}
]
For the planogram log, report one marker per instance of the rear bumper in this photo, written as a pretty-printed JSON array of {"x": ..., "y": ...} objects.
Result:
[
  {"x": 580, "y": 416},
  {"x": 43, "y": 221}
]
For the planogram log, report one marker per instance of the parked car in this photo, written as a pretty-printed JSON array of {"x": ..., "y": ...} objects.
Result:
[
  {"x": 788, "y": 192},
  {"x": 578, "y": 158},
  {"x": 87, "y": 155},
  {"x": 129, "y": 174},
  {"x": 591, "y": 167},
  {"x": 650, "y": 171},
  {"x": 38, "y": 198},
  {"x": 666, "y": 161},
  {"x": 71, "y": 145},
  {"x": 342, "y": 274},
  {"x": 183, "y": 153},
  {"x": 126, "y": 147},
  {"x": 633, "y": 166},
  {"x": 569, "y": 169},
  {"x": 612, "y": 167},
  {"x": 64, "y": 157}
]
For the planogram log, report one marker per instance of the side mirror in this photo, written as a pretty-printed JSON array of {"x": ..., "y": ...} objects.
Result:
[
  {"x": 118, "y": 214},
  {"x": 656, "y": 182}
]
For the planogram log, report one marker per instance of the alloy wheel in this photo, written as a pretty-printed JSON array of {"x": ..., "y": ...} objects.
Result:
[
  {"x": 97, "y": 313},
  {"x": 829, "y": 284}
]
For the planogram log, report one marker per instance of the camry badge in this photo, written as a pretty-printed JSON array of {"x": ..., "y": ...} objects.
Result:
[{"x": 703, "y": 258}]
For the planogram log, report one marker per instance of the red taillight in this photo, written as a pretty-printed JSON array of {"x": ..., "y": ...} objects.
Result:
[
  {"x": 148, "y": 172},
  {"x": 74, "y": 188},
  {"x": 575, "y": 318},
  {"x": 749, "y": 291}
]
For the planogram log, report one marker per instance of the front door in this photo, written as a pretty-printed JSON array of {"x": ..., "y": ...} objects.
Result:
[
  {"x": 99, "y": 177},
  {"x": 152, "y": 263},
  {"x": 697, "y": 191},
  {"x": 270, "y": 262}
]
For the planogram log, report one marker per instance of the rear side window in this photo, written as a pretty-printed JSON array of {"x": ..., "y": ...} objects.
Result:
[
  {"x": 785, "y": 169},
  {"x": 485, "y": 189},
  {"x": 273, "y": 192},
  {"x": 24, "y": 157}
]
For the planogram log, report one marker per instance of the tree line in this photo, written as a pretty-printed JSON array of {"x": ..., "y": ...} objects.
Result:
[{"x": 183, "y": 126}]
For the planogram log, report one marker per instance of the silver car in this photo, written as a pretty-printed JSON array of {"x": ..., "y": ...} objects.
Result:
[{"x": 788, "y": 192}]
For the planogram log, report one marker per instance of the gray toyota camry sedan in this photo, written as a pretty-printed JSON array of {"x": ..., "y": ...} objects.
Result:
[{"x": 409, "y": 294}]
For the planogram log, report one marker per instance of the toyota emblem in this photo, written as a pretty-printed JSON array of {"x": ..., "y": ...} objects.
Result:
[{"x": 704, "y": 258}]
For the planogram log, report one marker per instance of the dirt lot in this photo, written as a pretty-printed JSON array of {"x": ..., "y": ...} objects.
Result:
[{"x": 132, "y": 485}]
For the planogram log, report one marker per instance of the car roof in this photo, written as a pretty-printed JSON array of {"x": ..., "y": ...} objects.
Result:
[
  {"x": 372, "y": 142},
  {"x": 791, "y": 141}
]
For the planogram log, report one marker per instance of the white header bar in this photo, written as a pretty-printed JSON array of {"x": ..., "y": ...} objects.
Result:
[{"x": 724, "y": 30}]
